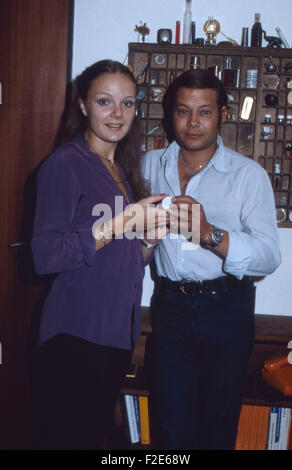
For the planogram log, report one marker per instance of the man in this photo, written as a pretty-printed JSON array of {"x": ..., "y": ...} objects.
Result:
[{"x": 203, "y": 303}]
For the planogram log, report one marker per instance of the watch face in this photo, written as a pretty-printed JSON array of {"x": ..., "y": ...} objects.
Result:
[{"x": 217, "y": 236}]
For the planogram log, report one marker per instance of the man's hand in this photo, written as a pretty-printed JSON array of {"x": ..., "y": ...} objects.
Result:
[
  {"x": 195, "y": 221},
  {"x": 188, "y": 215}
]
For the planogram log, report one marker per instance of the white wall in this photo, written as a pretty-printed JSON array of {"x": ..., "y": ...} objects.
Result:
[{"x": 103, "y": 29}]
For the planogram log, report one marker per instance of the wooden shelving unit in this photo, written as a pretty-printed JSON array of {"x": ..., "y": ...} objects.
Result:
[
  {"x": 164, "y": 62},
  {"x": 273, "y": 334},
  {"x": 274, "y": 151}
]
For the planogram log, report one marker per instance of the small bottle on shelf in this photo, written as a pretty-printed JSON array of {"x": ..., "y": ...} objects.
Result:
[
  {"x": 187, "y": 27},
  {"x": 171, "y": 78},
  {"x": 288, "y": 149},
  {"x": 256, "y": 32},
  {"x": 228, "y": 73},
  {"x": 267, "y": 118}
]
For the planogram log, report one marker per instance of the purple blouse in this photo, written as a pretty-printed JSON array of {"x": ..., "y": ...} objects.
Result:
[{"x": 96, "y": 294}]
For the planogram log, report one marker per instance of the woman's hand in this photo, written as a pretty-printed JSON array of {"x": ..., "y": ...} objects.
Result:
[
  {"x": 146, "y": 219},
  {"x": 140, "y": 220},
  {"x": 143, "y": 220}
]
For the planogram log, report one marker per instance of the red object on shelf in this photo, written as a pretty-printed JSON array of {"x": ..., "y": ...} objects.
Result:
[
  {"x": 177, "y": 33},
  {"x": 159, "y": 143},
  {"x": 277, "y": 372}
]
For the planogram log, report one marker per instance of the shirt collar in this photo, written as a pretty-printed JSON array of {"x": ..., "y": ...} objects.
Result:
[
  {"x": 81, "y": 143},
  {"x": 221, "y": 159}
]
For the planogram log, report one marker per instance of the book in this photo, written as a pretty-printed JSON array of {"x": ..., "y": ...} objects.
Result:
[
  {"x": 137, "y": 415},
  {"x": 242, "y": 430},
  {"x": 280, "y": 428},
  {"x": 272, "y": 438},
  {"x": 252, "y": 427},
  {"x": 132, "y": 423},
  {"x": 263, "y": 414},
  {"x": 284, "y": 428},
  {"x": 144, "y": 419},
  {"x": 289, "y": 440}
]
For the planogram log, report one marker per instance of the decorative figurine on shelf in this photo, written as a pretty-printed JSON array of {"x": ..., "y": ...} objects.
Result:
[
  {"x": 288, "y": 67},
  {"x": 273, "y": 41},
  {"x": 142, "y": 31},
  {"x": 270, "y": 66},
  {"x": 211, "y": 29}
]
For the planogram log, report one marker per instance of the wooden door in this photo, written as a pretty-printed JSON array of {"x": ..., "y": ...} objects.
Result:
[{"x": 34, "y": 41}]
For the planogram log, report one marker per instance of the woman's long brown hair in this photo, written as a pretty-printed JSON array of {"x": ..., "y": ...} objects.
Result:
[{"x": 128, "y": 151}]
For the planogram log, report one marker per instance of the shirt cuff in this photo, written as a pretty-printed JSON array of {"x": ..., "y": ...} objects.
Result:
[
  {"x": 88, "y": 247},
  {"x": 239, "y": 254}
]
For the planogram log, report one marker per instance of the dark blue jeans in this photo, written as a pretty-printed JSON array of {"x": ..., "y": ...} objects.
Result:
[{"x": 201, "y": 345}]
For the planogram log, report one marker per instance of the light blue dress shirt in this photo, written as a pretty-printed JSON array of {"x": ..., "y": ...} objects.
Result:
[{"x": 236, "y": 194}]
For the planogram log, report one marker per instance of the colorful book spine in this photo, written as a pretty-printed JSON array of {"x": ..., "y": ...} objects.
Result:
[
  {"x": 144, "y": 419},
  {"x": 253, "y": 427},
  {"x": 273, "y": 428},
  {"x": 137, "y": 415},
  {"x": 130, "y": 408},
  {"x": 263, "y": 414},
  {"x": 284, "y": 428},
  {"x": 289, "y": 440}
]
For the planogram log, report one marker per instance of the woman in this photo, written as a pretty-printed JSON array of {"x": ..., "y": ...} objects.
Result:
[{"x": 91, "y": 318}]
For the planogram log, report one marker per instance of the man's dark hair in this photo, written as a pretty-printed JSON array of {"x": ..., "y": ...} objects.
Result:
[{"x": 196, "y": 79}]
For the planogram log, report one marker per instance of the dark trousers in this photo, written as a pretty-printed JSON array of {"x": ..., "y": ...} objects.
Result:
[
  {"x": 201, "y": 344},
  {"x": 76, "y": 384}
]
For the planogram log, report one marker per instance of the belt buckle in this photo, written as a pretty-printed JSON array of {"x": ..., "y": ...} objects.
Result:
[
  {"x": 182, "y": 288},
  {"x": 194, "y": 289}
]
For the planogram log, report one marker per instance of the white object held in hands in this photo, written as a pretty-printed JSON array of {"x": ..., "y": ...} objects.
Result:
[{"x": 166, "y": 202}]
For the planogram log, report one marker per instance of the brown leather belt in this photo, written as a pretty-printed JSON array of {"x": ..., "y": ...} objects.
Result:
[{"x": 213, "y": 286}]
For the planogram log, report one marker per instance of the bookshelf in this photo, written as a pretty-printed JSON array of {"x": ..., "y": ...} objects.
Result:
[
  {"x": 259, "y": 121},
  {"x": 273, "y": 334}
]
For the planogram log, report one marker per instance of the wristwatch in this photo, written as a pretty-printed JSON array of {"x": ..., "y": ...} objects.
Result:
[{"x": 217, "y": 236}]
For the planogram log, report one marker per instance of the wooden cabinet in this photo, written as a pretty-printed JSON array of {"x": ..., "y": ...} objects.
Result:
[{"x": 259, "y": 122}]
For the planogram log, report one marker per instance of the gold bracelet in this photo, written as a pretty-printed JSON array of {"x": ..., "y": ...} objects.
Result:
[
  {"x": 110, "y": 232},
  {"x": 101, "y": 233}
]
